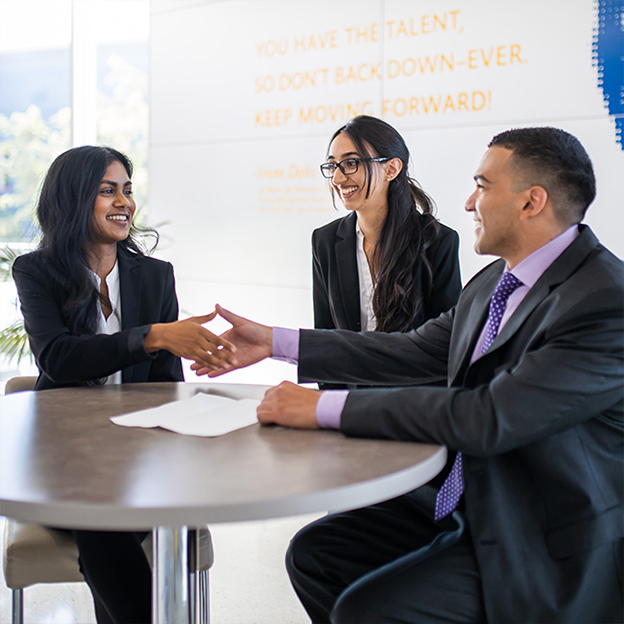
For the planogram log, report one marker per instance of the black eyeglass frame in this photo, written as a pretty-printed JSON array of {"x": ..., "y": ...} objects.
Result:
[{"x": 333, "y": 165}]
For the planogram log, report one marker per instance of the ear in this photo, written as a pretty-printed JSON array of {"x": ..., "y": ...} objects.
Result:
[
  {"x": 536, "y": 200},
  {"x": 393, "y": 168}
]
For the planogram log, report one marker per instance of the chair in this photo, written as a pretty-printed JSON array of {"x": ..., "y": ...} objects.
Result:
[{"x": 35, "y": 554}]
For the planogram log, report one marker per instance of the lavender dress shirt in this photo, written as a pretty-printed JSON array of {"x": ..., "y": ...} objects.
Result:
[{"x": 331, "y": 402}]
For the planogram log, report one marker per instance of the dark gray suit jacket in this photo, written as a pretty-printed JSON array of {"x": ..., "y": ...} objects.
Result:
[
  {"x": 147, "y": 291},
  {"x": 539, "y": 419}
]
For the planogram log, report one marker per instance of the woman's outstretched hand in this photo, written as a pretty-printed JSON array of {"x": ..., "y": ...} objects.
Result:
[
  {"x": 190, "y": 340},
  {"x": 253, "y": 342}
]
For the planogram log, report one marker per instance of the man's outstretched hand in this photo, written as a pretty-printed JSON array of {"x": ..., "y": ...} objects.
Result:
[{"x": 253, "y": 342}]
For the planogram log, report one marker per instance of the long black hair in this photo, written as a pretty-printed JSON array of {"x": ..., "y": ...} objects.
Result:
[
  {"x": 65, "y": 212},
  {"x": 408, "y": 229}
]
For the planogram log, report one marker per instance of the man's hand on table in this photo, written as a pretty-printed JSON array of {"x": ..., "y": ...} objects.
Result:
[{"x": 290, "y": 405}]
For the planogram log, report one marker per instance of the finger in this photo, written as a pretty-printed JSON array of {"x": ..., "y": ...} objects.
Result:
[
  {"x": 269, "y": 393},
  {"x": 219, "y": 341},
  {"x": 217, "y": 361},
  {"x": 218, "y": 371},
  {"x": 222, "y": 355},
  {"x": 200, "y": 370},
  {"x": 263, "y": 415}
]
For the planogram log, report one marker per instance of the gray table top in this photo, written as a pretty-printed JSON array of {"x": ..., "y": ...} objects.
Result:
[{"x": 64, "y": 463}]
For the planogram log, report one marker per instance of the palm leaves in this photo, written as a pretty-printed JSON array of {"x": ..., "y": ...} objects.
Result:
[{"x": 13, "y": 339}]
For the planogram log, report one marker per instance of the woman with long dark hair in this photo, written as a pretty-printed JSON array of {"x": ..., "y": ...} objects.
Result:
[
  {"x": 390, "y": 265},
  {"x": 97, "y": 310}
]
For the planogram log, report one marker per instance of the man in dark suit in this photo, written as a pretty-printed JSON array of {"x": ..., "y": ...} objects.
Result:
[{"x": 525, "y": 524}]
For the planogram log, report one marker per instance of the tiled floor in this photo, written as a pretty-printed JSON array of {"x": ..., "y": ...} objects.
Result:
[{"x": 248, "y": 582}]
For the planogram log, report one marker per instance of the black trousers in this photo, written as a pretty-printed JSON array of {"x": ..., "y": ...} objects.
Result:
[
  {"x": 118, "y": 574},
  {"x": 386, "y": 564}
]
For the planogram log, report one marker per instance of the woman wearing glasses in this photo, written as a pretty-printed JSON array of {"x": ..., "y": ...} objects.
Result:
[
  {"x": 98, "y": 311},
  {"x": 389, "y": 265}
]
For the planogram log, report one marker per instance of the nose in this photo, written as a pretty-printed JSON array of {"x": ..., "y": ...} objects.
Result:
[
  {"x": 121, "y": 199},
  {"x": 469, "y": 206},
  {"x": 338, "y": 176}
]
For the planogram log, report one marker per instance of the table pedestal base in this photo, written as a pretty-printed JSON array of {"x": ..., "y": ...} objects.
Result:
[{"x": 176, "y": 579}]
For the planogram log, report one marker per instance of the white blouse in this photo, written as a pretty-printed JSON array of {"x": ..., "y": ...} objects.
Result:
[
  {"x": 112, "y": 324},
  {"x": 367, "y": 316}
]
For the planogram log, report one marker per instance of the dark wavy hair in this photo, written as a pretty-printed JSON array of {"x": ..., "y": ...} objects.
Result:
[
  {"x": 65, "y": 211},
  {"x": 408, "y": 230},
  {"x": 555, "y": 160}
]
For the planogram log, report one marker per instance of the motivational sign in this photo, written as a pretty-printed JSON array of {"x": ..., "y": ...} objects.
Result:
[{"x": 411, "y": 65}]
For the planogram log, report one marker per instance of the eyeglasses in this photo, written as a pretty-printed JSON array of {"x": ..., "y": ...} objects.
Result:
[{"x": 348, "y": 166}]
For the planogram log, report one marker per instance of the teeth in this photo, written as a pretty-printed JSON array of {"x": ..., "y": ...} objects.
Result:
[
  {"x": 348, "y": 191},
  {"x": 117, "y": 217}
]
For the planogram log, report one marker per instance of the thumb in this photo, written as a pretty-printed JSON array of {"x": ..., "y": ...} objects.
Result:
[
  {"x": 230, "y": 317},
  {"x": 204, "y": 318}
]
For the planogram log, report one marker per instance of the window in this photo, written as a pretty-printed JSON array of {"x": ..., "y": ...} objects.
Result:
[{"x": 72, "y": 72}]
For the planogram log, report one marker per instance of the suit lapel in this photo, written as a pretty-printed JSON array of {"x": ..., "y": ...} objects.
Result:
[
  {"x": 348, "y": 271},
  {"x": 558, "y": 272},
  {"x": 130, "y": 292},
  {"x": 471, "y": 316}
]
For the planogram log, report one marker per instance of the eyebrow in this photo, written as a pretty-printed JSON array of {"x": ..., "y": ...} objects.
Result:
[
  {"x": 481, "y": 177},
  {"x": 128, "y": 183},
  {"x": 345, "y": 155}
]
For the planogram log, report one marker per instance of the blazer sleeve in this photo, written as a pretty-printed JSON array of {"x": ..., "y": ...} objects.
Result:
[
  {"x": 446, "y": 283},
  {"x": 417, "y": 357},
  {"x": 166, "y": 366},
  {"x": 62, "y": 357},
  {"x": 564, "y": 365}
]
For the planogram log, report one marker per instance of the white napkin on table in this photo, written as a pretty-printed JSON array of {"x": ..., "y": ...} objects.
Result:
[{"x": 205, "y": 415}]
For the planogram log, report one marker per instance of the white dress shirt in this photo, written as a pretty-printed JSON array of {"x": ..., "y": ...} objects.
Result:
[
  {"x": 112, "y": 324},
  {"x": 367, "y": 315}
]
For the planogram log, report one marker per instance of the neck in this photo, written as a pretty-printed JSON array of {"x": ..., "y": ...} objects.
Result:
[
  {"x": 531, "y": 245},
  {"x": 101, "y": 259},
  {"x": 371, "y": 225}
]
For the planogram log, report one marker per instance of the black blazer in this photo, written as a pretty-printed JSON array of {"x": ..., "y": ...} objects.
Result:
[
  {"x": 539, "y": 418},
  {"x": 336, "y": 289},
  {"x": 147, "y": 292}
]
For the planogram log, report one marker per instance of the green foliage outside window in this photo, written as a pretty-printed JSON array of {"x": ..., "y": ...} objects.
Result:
[{"x": 28, "y": 145}]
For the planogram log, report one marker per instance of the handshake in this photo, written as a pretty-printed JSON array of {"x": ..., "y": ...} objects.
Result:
[{"x": 245, "y": 343}]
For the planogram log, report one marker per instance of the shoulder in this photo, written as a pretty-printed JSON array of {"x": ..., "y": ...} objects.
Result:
[
  {"x": 30, "y": 263},
  {"x": 445, "y": 240},
  {"x": 146, "y": 264},
  {"x": 339, "y": 228},
  {"x": 446, "y": 236},
  {"x": 447, "y": 233}
]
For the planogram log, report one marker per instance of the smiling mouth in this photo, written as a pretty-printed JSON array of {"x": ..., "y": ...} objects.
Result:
[
  {"x": 119, "y": 218},
  {"x": 345, "y": 193}
]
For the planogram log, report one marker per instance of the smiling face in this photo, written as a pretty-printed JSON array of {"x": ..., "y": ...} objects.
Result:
[
  {"x": 114, "y": 207},
  {"x": 496, "y": 205},
  {"x": 352, "y": 188}
]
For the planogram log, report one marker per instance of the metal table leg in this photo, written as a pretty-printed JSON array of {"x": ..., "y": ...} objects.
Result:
[{"x": 174, "y": 591}]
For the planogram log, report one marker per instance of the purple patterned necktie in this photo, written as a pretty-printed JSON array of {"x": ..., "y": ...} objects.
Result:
[{"x": 453, "y": 486}]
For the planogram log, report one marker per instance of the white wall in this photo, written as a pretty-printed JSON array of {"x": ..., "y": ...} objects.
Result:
[{"x": 245, "y": 94}]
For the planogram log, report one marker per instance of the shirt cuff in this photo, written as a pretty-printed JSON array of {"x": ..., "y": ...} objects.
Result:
[
  {"x": 329, "y": 408},
  {"x": 286, "y": 344}
]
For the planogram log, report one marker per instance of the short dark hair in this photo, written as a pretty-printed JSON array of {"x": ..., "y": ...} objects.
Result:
[{"x": 555, "y": 160}]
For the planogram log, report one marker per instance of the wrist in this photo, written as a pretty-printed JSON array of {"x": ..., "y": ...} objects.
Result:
[{"x": 153, "y": 341}]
